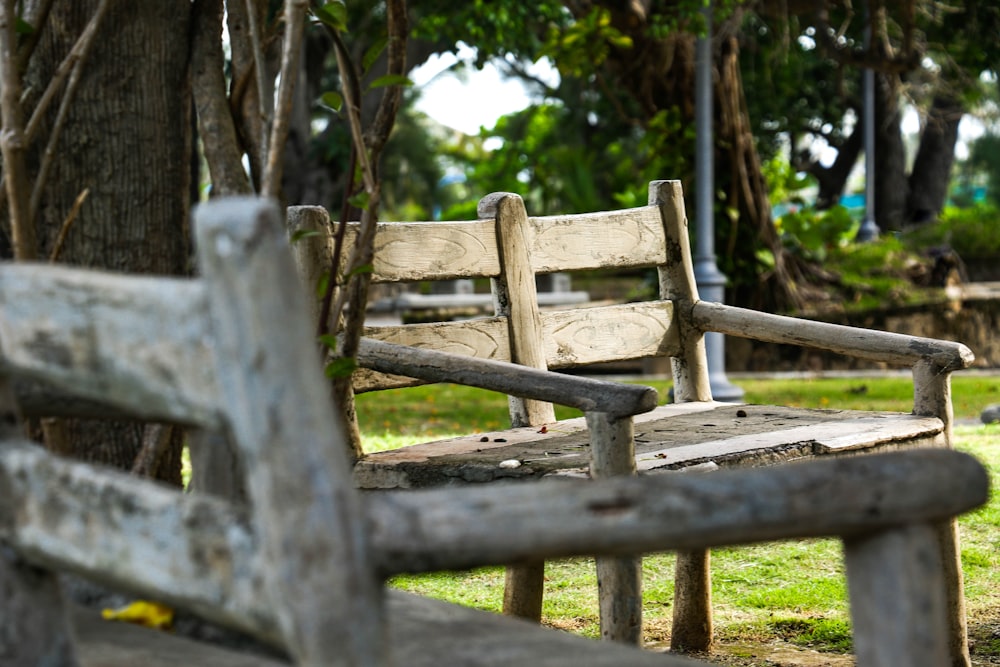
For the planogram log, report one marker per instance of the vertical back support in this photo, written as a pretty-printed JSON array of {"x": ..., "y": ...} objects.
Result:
[
  {"x": 515, "y": 297},
  {"x": 690, "y": 370},
  {"x": 326, "y": 596}
]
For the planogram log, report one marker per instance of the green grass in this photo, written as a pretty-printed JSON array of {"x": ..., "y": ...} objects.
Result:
[{"x": 789, "y": 591}]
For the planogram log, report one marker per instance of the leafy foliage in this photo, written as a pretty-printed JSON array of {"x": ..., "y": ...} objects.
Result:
[{"x": 971, "y": 232}]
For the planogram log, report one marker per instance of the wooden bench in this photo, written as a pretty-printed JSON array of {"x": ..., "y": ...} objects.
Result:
[
  {"x": 302, "y": 567},
  {"x": 511, "y": 248}
]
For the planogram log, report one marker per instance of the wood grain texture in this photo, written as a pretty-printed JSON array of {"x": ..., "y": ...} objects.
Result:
[
  {"x": 673, "y": 436},
  {"x": 516, "y": 297},
  {"x": 193, "y": 551},
  {"x": 619, "y": 578},
  {"x": 583, "y": 393},
  {"x": 609, "y": 333},
  {"x": 608, "y": 239},
  {"x": 311, "y": 239},
  {"x": 415, "y": 530},
  {"x": 852, "y": 341},
  {"x": 484, "y": 338},
  {"x": 435, "y": 250},
  {"x": 135, "y": 343},
  {"x": 34, "y": 617},
  {"x": 326, "y": 596},
  {"x": 898, "y": 598},
  {"x": 690, "y": 367}
]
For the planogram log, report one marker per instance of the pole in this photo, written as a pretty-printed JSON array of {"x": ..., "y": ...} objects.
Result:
[
  {"x": 869, "y": 230},
  {"x": 710, "y": 280}
]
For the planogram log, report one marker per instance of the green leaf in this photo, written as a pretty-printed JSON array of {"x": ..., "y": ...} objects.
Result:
[
  {"x": 358, "y": 270},
  {"x": 304, "y": 234},
  {"x": 390, "y": 80},
  {"x": 373, "y": 52},
  {"x": 333, "y": 14},
  {"x": 22, "y": 27},
  {"x": 332, "y": 99},
  {"x": 341, "y": 368},
  {"x": 322, "y": 285},
  {"x": 329, "y": 340},
  {"x": 359, "y": 200}
]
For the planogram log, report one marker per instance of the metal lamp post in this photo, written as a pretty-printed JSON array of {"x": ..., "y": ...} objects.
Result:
[
  {"x": 869, "y": 230},
  {"x": 711, "y": 281}
]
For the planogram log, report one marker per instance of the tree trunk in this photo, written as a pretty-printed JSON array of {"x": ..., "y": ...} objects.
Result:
[
  {"x": 935, "y": 157},
  {"x": 833, "y": 179},
  {"x": 891, "y": 187},
  {"x": 127, "y": 141}
]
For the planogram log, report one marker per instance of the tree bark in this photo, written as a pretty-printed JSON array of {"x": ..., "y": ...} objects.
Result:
[
  {"x": 935, "y": 157},
  {"x": 127, "y": 139},
  {"x": 891, "y": 186}
]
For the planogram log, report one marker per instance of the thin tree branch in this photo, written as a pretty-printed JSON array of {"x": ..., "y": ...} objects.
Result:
[
  {"x": 37, "y": 20},
  {"x": 264, "y": 102},
  {"x": 385, "y": 116},
  {"x": 12, "y": 140},
  {"x": 67, "y": 224},
  {"x": 295, "y": 13},
  {"x": 243, "y": 94},
  {"x": 155, "y": 443},
  {"x": 77, "y": 54},
  {"x": 215, "y": 120},
  {"x": 85, "y": 43}
]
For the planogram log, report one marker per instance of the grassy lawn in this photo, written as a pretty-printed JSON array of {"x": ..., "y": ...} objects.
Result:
[{"x": 791, "y": 592}]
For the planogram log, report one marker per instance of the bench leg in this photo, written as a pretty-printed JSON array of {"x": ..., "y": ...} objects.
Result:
[
  {"x": 619, "y": 590},
  {"x": 898, "y": 600},
  {"x": 619, "y": 579},
  {"x": 692, "y": 623},
  {"x": 951, "y": 560},
  {"x": 522, "y": 594},
  {"x": 36, "y": 627}
]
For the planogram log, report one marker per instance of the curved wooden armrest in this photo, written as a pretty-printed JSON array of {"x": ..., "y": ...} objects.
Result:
[
  {"x": 853, "y": 341},
  {"x": 587, "y": 394}
]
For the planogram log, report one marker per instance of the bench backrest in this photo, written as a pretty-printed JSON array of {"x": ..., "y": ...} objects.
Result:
[
  {"x": 510, "y": 248},
  {"x": 233, "y": 350}
]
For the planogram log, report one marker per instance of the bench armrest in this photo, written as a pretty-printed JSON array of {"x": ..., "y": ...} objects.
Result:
[
  {"x": 853, "y": 341},
  {"x": 414, "y": 530},
  {"x": 586, "y": 394}
]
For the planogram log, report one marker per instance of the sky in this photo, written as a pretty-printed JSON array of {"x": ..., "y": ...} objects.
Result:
[{"x": 474, "y": 98}]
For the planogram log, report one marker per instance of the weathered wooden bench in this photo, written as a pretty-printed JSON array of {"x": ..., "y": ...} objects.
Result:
[
  {"x": 510, "y": 248},
  {"x": 303, "y": 565}
]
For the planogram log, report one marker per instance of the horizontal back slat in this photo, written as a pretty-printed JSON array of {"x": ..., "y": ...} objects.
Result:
[
  {"x": 609, "y": 333},
  {"x": 435, "y": 250},
  {"x": 485, "y": 338},
  {"x": 631, "y": 237},
  {"x": 136, "y": 343}
]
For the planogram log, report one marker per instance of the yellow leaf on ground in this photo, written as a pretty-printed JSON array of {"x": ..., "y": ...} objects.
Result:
[{"x": 142, "y": 612}]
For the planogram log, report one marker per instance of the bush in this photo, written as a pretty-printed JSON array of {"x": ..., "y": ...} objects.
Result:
[
  {"x": 971, "y": 232},
  {"x": 813, "y": 233}
]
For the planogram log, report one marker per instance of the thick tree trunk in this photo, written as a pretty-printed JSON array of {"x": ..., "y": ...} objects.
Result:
[
  {"x": 833, "y": 179},
  {"x": 891, "y": 186},
  {"x": 126, "y": 140},
  {"x": 932, "y": 166}
]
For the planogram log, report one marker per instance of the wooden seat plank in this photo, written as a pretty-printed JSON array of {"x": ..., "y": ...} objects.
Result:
[{"x": 666, "y": 438}]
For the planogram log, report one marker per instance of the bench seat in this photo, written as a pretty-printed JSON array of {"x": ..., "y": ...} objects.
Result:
[{"x": 671, "y": 437}]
